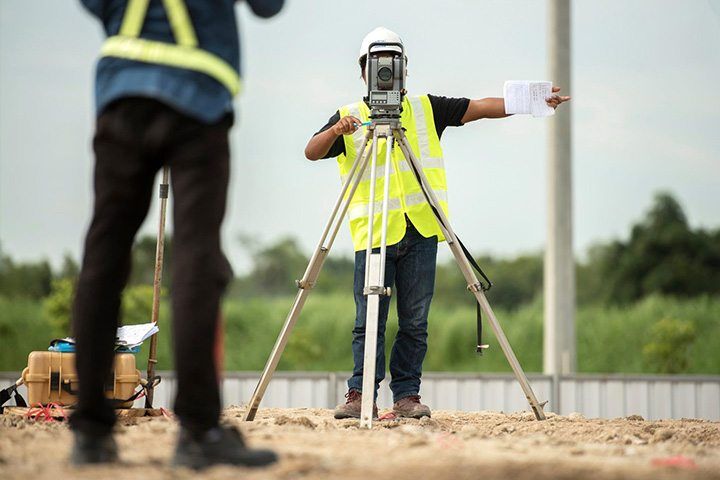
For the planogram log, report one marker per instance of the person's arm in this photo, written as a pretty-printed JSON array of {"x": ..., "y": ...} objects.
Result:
[
  {"x": 485, "y": 108},
  {"x": 320, "y": 144},
  {"x": 495, "y": 107},
  {"x": 265, "y": 8}
]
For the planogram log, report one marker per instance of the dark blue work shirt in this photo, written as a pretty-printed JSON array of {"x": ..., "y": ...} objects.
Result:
[{"x": 192, "y": 93}]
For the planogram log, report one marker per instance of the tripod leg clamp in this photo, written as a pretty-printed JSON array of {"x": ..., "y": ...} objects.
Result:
[
  {"x": 376, "y": 290},
  {"x": 476, "y": 287},
  {"x": 304, "y": 284}
]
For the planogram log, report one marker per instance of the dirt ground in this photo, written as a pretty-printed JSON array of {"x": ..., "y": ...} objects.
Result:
[{"x": 451, "y": 445}]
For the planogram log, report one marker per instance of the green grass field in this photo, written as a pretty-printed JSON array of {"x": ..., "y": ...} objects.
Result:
[{"x": 610, "y": 339}]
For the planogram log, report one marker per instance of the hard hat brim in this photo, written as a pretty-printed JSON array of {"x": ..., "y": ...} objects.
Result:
[{"x": 381, "y": 48}]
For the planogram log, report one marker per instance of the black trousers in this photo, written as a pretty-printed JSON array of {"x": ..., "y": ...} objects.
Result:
[{"x": 135, "y": 137}]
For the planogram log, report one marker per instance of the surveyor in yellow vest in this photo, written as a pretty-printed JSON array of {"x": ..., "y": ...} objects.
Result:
[
  {"x": 164, "y": 87},
  {"x": 412, "y": 232}
]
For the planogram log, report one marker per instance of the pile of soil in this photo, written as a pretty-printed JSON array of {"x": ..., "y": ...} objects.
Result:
[{"x": 450, "y": 445}]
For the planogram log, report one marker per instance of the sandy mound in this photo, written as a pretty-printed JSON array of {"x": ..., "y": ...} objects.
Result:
[{"x": 451, "y": 445}]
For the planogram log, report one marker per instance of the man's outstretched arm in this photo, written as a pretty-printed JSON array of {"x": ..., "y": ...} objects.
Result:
[{"x": 495, "y": 107}]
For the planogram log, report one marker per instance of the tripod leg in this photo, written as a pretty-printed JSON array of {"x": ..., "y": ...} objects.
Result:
[
  {"x": 157, "y": 282},
  {"x": 370, "y": 354},
  {"x": 371, "y": 206},
  {"x": 520, "y": 376},
  {"x": 473, "y": 283},
  {"x": 310, "y": 277},
  {"x": 374, "y": 283}
]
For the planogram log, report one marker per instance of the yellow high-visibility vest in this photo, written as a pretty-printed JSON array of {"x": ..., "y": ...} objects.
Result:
[
  {"x": 185, "y": 53},
  {"x": 406, "y": 197}
]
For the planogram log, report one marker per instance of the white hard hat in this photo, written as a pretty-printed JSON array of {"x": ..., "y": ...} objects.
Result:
[{"x": 380, "y": 34}]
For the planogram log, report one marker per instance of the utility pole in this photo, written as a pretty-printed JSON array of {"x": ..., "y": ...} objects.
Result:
[{"x": 559, "y": 356}]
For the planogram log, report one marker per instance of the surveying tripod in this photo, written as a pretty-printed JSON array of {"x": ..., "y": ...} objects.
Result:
[{"x": 389, "y": 128}]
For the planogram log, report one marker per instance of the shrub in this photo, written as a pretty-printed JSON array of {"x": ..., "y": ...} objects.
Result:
[{"x": 668, "y": 350}]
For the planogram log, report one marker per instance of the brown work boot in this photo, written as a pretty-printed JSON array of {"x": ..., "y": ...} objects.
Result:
[
  {"x": 410, "y": 407},
  {"x": 352, "y": 406}
]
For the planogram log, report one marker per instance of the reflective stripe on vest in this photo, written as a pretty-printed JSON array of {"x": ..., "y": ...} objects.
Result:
[
  {"x": 185, "y": 54},
  {"x": 361, "y": 210},
  {"x": 406, "y": 197},
  {"x": 419, "y": 198},
  {"x": 423, "y": 137}
]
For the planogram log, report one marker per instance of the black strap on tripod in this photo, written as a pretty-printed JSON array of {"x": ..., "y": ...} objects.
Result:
[{"x": 483, "y": 286}]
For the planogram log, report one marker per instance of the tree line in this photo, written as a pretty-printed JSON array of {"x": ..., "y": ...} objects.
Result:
[{"x": 662, "y": 255}]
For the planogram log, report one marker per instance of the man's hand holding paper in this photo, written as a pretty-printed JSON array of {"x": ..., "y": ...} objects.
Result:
[{"x": 538, "y": 98}]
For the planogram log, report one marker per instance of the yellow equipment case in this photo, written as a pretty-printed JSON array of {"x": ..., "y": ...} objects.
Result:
[{"x": 51, "y": 377}]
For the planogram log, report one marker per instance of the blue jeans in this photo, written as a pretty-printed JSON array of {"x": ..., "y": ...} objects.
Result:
[{"x": 410, "y": 267}]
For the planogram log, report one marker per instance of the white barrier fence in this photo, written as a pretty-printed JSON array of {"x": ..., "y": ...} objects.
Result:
[{"x": 595, "y": 396}]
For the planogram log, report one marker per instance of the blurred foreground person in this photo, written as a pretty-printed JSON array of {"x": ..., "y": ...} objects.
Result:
[
  {"x": 412, "y": 231},
  {"x": 164, "y": 88}
]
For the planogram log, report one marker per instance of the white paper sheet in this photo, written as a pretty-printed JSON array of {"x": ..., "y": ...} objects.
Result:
[
  {"x": 527, "y": 97},
  {"x": 132, "y": 335}
]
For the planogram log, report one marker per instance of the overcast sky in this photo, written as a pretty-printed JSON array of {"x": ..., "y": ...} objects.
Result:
[{"x": 646, "y": 117}]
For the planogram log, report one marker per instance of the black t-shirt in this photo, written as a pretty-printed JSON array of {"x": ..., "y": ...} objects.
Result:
[{"x": 447, "y": 112}]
